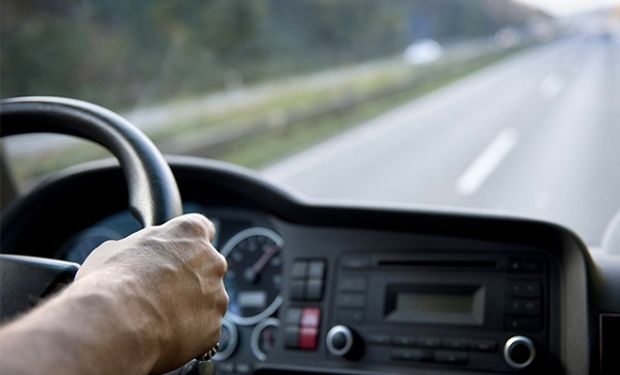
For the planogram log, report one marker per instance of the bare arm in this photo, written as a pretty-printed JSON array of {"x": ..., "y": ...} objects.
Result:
[{"x": 147, "y": 303}]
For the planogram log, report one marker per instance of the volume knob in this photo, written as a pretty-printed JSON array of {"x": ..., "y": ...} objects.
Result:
[
  {"x": 519, "y": 352},
  {"x": 340, "y": 340}
]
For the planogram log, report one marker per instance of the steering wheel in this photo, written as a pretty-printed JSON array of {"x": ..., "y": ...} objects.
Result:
[{"x": 153, "y": 193}]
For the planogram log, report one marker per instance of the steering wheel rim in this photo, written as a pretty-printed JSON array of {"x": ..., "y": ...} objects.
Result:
[{"x": 154, "y": 196}]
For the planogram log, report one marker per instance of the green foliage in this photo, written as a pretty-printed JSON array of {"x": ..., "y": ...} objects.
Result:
[{"x": 123, "y": 53}]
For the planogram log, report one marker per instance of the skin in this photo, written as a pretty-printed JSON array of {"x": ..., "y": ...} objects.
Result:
[{"x": 145, "y": 304}]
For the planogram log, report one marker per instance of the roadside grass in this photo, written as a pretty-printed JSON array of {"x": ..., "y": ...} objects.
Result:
[{"x": 269, "y": 147}]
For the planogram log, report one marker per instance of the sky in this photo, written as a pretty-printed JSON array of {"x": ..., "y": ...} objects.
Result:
[{"x": 568, "y": 7}]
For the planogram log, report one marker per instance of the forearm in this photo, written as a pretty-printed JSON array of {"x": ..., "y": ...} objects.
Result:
[{"x": 86, "y": 329}]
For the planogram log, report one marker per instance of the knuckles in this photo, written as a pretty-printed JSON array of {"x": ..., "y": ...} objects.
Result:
[{"x": 195, "y": 225}]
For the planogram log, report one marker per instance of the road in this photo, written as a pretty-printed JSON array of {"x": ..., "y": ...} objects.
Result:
[{"x": 537, "y": 134}]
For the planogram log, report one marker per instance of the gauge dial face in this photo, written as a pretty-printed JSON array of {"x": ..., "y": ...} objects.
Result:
[
  {"x": 254, "y": 277},
  {"x": 263, "y": 338}
]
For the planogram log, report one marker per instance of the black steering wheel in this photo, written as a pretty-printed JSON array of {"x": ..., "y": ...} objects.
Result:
[{"x": 153, "y": 193}]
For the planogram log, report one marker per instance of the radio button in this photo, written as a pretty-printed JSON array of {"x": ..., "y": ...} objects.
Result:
[
  {"x": 524, "y": 288},
  {"x": 353, "y": 284},
  {"x": 484, "y": 345},
  {"x": 378, "y": 339},
  {"x": 417, "y": 355},
  {"x": 524, "y": 307},
  {"x": 525, "y": 265},
  {"x": 316, "y": 269},
  {"x": 314, "y": 290},
  {"x": 297, "y": 290},
  {"x": 311, "y": 317},
  {"x": 308, "y": 338},
  {"x": 458, "y": 344},
  {"x": 291, "y": 337},
  {"x": 428, "y": 342},
  {"x": 517, "y": 324},
  {"x": 352, "y": 300},
  {"x": 444, "y": 356},
  {"x": 356, "y": 262},
  {"x": 404, "y": 341},
  {"x": 293, "y": 316},
  {"x": 299, "y": 270},
  {"x": 350, "y": 316}
]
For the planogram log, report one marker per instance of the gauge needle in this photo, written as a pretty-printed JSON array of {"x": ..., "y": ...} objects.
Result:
[{"x": 252, "y": 273}]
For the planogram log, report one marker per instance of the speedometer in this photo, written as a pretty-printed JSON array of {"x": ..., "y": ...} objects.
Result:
[{"x": 254, "y": 277}]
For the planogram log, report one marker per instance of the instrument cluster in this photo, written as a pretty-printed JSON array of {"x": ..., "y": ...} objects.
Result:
[{"x": 253, "y": 282}]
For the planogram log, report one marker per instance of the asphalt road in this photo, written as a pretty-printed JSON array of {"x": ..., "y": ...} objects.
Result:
[{"x": 537, "y": 134}]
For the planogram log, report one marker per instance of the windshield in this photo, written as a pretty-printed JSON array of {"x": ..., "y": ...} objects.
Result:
[{"x": 510, "y": 106}]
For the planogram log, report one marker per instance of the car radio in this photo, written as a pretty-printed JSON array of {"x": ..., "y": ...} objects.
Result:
[{"x": 482, "y": 311}]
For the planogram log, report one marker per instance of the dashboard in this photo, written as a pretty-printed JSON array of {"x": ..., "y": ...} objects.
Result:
[{"x": 323, "y": 288}]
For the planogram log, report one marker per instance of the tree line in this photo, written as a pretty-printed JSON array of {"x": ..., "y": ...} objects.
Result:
[{"x": 121, "y": 53}]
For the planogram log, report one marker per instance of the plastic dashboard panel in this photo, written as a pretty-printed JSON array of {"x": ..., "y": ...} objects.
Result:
[{"x": 582, "y": 287}]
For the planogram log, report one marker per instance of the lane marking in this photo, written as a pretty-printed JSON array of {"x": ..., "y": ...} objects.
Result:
[
  {"x": 410, "y": 114},
  {"x": 482, "y": 167},
  {"x": 551, "y": 86}
]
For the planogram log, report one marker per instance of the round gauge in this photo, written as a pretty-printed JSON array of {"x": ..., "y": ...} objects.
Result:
[
  {"x": 254, "y": 277},
  {"x": 79, "y": 247},
  {"x": 263, "y": 338},
  {"x": 228, "y": 340}
]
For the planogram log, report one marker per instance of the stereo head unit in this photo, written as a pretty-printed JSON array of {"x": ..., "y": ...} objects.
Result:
[{"x": 482, "y": 311}]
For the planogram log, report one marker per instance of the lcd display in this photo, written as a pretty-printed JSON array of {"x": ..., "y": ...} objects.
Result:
[{"x": 435, "y": 304}]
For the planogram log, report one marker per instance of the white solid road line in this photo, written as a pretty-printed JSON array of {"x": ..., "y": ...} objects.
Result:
[{"x": 475, "y": 175}]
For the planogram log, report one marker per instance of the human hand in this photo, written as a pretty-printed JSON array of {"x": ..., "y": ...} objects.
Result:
[{"x": 173, "y": 272}]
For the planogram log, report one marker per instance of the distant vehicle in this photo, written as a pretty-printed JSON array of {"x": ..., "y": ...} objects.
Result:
[
  {"x": 507, "y": 38},
  {"x": 423, "y": 51}
]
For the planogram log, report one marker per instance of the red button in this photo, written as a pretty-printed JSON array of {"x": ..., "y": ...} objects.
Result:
[
  {"x": 308, "y": 338},
  {"x": 311, "y": 317}
]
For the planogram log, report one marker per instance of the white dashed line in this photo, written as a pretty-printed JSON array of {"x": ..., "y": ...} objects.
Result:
[{"x": 475, "y": 175}]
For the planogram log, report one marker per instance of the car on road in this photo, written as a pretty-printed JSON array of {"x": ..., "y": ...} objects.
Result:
[
  {"x": 424, "y": 51},
  {"x": 447, "y": 210}
]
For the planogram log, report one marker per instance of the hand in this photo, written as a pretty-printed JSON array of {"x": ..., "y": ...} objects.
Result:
[{"x": 177, "y": 277}]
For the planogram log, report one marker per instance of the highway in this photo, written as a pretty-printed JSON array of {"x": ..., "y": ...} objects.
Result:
[{"x": 537, "y": 134}]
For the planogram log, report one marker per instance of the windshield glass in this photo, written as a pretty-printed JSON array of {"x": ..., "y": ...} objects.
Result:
[{"x": 504, "y": 105}]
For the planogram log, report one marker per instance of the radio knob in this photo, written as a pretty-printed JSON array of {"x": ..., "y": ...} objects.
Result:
[
  {"x": 519, "y": 352},
  {"x": 341, "y": 341}
]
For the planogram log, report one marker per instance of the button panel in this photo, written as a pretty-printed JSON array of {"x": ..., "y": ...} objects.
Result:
[
  {"x": 302, "y": 328},
  {"x": 307, "y": 280},
  {"x": 432, "y": 342},
  {"x": 524, "y": 309}
]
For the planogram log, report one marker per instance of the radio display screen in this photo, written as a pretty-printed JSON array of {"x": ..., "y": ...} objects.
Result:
[{"x": 441, "y": 304}]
